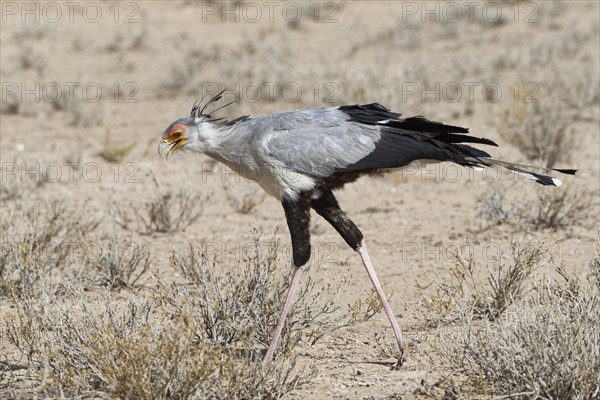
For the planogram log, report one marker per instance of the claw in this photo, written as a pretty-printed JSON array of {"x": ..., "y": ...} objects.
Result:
[{"x": 399, "y": 362}]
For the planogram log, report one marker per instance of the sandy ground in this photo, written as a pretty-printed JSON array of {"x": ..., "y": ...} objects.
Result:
[{"x": 162, "y": 56}]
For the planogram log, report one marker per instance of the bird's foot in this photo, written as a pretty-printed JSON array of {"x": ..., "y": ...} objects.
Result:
[{"x": 399, "y": 362}]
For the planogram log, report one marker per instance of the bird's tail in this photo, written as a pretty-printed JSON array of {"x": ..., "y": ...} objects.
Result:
[{"x": 527, "y": 171}]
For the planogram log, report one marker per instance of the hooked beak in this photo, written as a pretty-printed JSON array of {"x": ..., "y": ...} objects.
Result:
[{"x": 175, "y": 144}]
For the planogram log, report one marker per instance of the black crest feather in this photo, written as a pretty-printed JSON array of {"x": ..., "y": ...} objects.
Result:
[{"x": 199, "y": 112}]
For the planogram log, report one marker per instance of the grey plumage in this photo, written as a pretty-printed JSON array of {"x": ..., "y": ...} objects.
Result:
[
  {"x": 316, "y": 142},
  {"x": 321, "y": 143}
]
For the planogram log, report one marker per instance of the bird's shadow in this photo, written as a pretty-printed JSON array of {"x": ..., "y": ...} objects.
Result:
[{"x": 390, "y": 365}]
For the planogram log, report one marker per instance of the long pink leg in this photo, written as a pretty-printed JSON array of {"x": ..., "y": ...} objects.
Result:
[
  {"x": 364, "y": 255},
  {"x": 295, "y": 282}
]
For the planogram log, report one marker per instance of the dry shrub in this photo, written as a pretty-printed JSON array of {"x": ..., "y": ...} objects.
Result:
[
  {"x": 544, "y": 345},
  {"x": 551, "y": 208},
  {"x": 10, "y": 105},
  {"x": 201, "y": 337},
  {"x": 37, "y": 245},
  {"x": 241, "y": 303},
  {"x": 46, "y": 249},
  {"x": 243, "y": 202},
  {"x": 583, "y": 87},
  {"x": 31, "y": 59},
  {"x": 136, "y": 39},
  {"x": 132, "y": 351},
  {"x": 539, "y": 130},
  {"x": 78, "y": 111},
  {"x": 595, "y": 268},
  {"x": 465, "y": 294},
  {"x": 15, "y": 189},
  {"x": 173, "y": 212},
  {"x": 115, "y": 263},
  {"x": 112, "y": 152},
  {"x": 167, "y": 212},
  {"x": 31, "y": 29},
  {"x": 491, "y": 206},
  {"x": 557, "y": 209},
  {"x": 17, "y": 183},
  {"x": 364, "y": 310}
]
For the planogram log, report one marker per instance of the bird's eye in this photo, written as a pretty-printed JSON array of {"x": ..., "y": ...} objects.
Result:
[{"x": 176, "y": 134}]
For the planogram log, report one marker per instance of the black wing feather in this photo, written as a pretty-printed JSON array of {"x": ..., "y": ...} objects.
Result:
[
  {"x": 406, "y": 140},
  {"x": 420, "y": 126},
  {"x": 368, "y": 114},
  {"x": 394, "y": 151}
]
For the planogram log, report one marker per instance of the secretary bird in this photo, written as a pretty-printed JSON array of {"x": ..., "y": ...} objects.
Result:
[{"x": 301, "y": 156}]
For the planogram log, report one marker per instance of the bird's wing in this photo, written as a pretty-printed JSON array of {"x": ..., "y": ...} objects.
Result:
[
  {"x": 316, "y": 142},
  {"x": 321, "y": 142}
]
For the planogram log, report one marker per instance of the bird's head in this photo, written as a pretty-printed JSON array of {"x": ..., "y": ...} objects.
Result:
[
  {"x": 177, "y": 135},
  {"x": 191, "y": 132}
]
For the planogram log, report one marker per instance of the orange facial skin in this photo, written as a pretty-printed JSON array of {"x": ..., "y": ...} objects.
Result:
[
  {"x": 175, "y": 133},
  {"x": 174, "y": 138}
]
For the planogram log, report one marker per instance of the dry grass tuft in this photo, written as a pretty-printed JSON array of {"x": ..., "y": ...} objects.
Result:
[
  {"x": 136, "y": 39},
  {"x": 544, "y": 344},
  {"x": 466, "y": 295},
  {"x": 539, "y": 130},
  {"x": 78, "y": 110},
  {"x": 38, "y": 246},
  {"x": 243, "y": 202},
  {"x": 30, "y": 59},
  {"x": 556, "y": 209},
  {"x": 167, "y": 212},
  {"x": 491, "y": 206},
  {"x": 551, "y": 208},
  {"x": 115, "y": 263},
  {"x": 13, "y": 188},
  {"x": 581, "y": 89},
  {"x": 114, "y": 153}
]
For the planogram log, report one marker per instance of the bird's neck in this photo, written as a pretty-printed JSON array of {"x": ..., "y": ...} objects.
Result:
[{"x": 231, "y": 145}]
